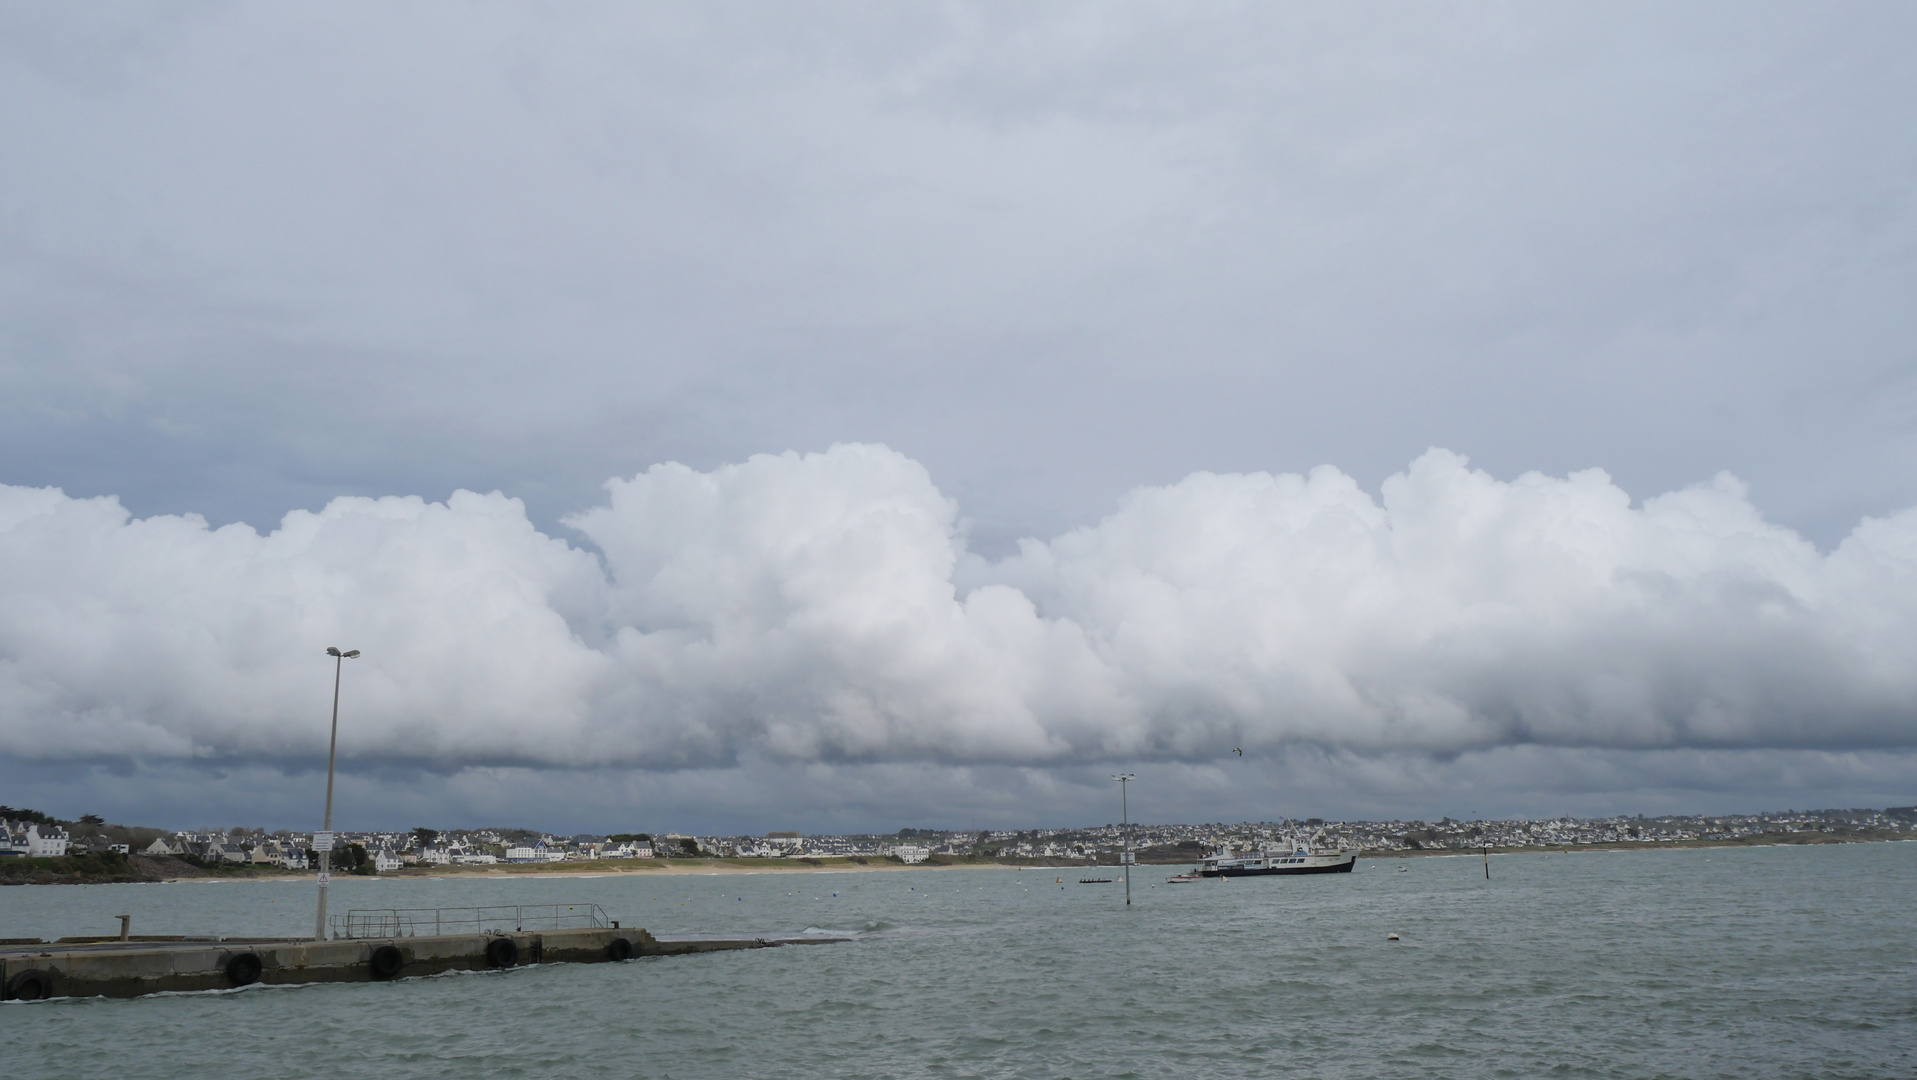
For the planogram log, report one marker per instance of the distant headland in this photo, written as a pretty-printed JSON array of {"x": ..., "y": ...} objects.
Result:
[{"x": 36, "y": 848}]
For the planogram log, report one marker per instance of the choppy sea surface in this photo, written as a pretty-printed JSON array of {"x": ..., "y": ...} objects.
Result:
[{"x": 1766, "y": 962}]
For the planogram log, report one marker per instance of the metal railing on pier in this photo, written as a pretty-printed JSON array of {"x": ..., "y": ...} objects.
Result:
[{"x": 418, "y": 922}]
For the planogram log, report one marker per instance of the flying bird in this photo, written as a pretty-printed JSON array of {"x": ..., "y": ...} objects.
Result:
[{"x": 1237, "y": 751}]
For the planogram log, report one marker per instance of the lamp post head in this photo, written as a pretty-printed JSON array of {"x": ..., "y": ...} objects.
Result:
[
  {"x": 347, "y": 655},
  {"x": 1122, "y": 777}
]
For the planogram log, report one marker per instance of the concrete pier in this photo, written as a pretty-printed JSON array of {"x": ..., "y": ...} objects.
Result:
[{"x": 129, "y": 968}]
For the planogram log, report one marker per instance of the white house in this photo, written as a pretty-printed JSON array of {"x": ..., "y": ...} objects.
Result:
[
  {"x": 385, "y": 861},
  {"x": 911, "y": 853},
  {"x": 281, "y": 853},
  {"x": 434, "y": 856},
  {"x": 219, "y": 851},
  {"x": 461, "y": 855},
  {"x": 165, "y": 845},
  {"x": 46, "y": 841}
]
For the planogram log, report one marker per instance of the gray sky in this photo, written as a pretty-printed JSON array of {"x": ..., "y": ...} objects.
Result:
[{"x": 253, "y": 259}]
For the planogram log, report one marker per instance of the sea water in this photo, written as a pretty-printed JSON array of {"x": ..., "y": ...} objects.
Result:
[{"x": 1762, "y": 962}]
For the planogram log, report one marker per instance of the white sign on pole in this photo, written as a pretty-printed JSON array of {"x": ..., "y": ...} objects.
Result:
[
  {"x": 322, "y": 841},
  {"x": 1126, "y": 858},
  {"x": 325, "y": 879}
]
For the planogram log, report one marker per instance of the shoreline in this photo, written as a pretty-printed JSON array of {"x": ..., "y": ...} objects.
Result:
[
  {"x": 1654, "y": 845},
  {"x": 153, "y": 872},
  {"x": 706, "y": 868}
]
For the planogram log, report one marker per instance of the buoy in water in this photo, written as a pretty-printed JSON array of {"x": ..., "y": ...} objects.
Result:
[{"x": 1391, "y": 937}]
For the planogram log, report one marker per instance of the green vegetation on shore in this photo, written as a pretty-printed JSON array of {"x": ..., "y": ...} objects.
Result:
[
  {"x": 104, "y": 867},
  {"x": 70, "y": 869}
]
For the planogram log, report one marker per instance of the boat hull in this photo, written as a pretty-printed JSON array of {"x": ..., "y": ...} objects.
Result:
[{"x": 1341, "y": 864}]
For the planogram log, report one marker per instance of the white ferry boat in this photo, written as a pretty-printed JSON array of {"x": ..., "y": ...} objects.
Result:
[{"x": 1300, "y": 859}]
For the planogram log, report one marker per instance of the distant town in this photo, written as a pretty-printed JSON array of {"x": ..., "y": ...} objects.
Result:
[{"x": 31, "y": 835}]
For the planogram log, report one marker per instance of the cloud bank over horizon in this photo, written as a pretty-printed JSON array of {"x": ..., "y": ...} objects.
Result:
[
  {"x": 824, "y": 610},
  {"x": 1013, "y": 262}
]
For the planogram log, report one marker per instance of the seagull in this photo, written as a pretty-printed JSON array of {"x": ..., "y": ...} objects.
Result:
[{"x": 1237, "y": 751}]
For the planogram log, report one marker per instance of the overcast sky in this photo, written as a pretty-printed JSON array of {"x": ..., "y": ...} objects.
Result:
[{"x": 856, "y": 416}]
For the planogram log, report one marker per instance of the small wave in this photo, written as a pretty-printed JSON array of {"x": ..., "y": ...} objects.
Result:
[
  {"x": 455, "y": 972},
  {"x": 222, "y": 991}
]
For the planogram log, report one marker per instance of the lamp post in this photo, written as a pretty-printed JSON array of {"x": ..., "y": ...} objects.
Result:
[
  {"x": 323, "y": 840},
  {"x": 1125, "y": 831}
]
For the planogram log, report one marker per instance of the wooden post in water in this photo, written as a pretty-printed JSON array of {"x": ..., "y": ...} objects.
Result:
[{"x": 1487, "y": 862}]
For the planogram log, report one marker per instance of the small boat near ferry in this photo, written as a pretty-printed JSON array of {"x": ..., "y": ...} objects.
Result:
[
  {"x": 1300, "y": 859},
  {"x": 1180, "y": 879}
]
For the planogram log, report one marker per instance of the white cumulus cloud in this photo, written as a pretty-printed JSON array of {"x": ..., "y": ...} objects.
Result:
[{"x": 824, "y": 607}]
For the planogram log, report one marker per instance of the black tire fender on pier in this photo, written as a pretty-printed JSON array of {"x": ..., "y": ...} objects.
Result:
[
  {"x": 619, "y": 949},
  {"x": 502, "y": 952},
  {"x": 30, "y": 985},
  {"x": 243, "y": 969},
  {"x": 386, "y": 962}
]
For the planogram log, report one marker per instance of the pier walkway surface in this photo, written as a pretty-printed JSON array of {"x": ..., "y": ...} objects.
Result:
[{"x": 131, "y": 967}]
